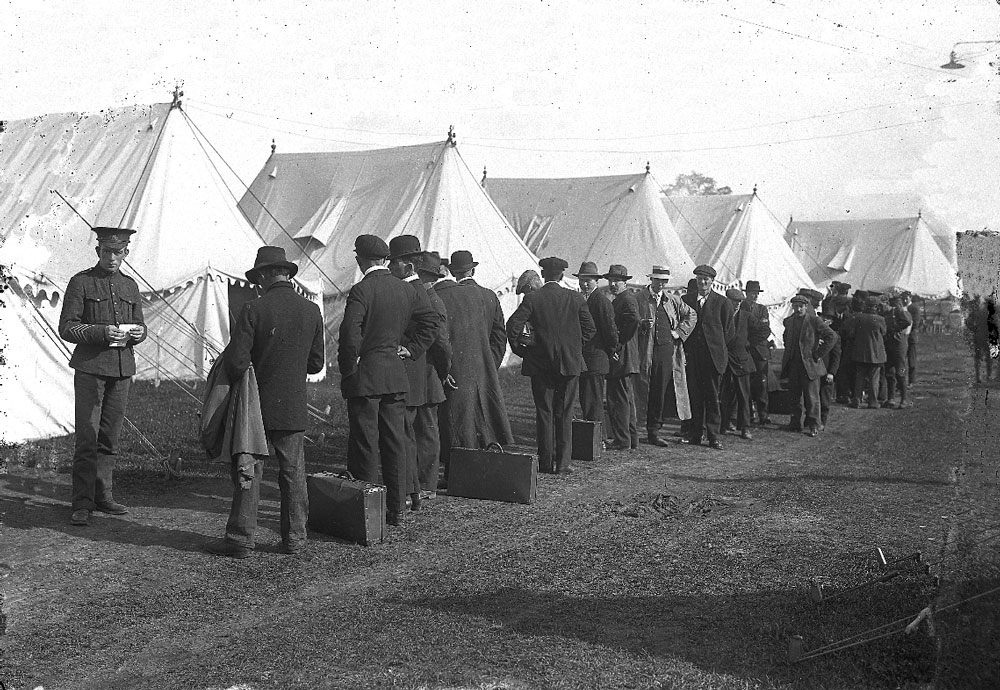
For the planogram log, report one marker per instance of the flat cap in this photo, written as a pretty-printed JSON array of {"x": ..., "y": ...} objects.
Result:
[
  {"x": 371, "y": 247},
  {"x": 705, "y": 270},
  {"x": 736, "y": 294},
  {"x": 800, "y": 299},
  {"x": 553, "y": 263}
]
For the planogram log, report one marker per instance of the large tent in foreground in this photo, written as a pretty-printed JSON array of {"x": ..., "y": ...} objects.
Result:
[
  {"x": 316, "y": 204},
  {"x": 614, "y": 219},
  {"x": 142, "y": 167},
  {"x": 880, "y": 254}
]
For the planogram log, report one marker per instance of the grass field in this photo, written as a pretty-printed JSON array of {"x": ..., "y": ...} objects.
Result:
[{"x": 664, "y": 568}]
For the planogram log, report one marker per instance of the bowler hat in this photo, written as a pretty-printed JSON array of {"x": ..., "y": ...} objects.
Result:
[
  {"x": 429, "y": 262},
  {"x": 705, "y": 270},
  {"x": 736, "y": 294},
  {"x": 661, "y": 272},
  {"x": 371, "y": 247},
  {"x": 588, "y": 269},
  {"x": 461, "y": 261},
  {"x": 115, "y": 237},
  {"x": 404, "y": 245},
  {"x": 554, "y": 263},
  {"x": 753, "y": 286},
  {"x": 617, "y": 272},
  {"x": 270, "y": 256}
]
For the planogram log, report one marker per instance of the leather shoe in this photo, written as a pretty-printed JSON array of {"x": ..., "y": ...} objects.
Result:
[
  {"x": 290, "y": 549},
  {"x": 619, "y": 446},
  {"x": 415, "y": 501},
  {"x": 111, "y": 507},
  {"x": 715, "y": 445},
  {"x": 746, "y": 435},
  {"x": 227, "y": 548},
  {"x": 764, "y": 422},
  {"x": 565, "y": 470},
  {"x": 812, "y": 432},
  {"x": 80, "y": 518},
  {"x": 394, "y": 519},
  {"x": 730, "y": 427},
  {"x": 655, "y": 440}
]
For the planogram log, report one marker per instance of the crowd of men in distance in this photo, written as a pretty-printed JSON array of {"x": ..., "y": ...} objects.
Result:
[{"x": 419, "y": 350}]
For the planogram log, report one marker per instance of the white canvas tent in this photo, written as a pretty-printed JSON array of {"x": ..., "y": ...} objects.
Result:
[
  {"x": 316, "y": 204},
  {"x": 612, "y": 219},
  {"x": 880, "y": 254},
  {"x": 742, "y": 240},
  {"x": 142, "y": 167}
]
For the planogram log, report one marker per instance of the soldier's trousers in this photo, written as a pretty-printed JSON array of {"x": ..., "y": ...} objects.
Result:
[
  {"x": 622, "y": 410},
  {"x": 100, "y": 413},
  {"x": 287, "y": 447}
]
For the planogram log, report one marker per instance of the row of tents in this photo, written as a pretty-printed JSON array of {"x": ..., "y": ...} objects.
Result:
[{"x": 152, "y": 169}]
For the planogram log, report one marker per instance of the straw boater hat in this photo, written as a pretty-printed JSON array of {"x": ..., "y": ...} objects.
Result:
[
  {"x": 267, "y": 257},
  {"x": 660, "y": 272}
]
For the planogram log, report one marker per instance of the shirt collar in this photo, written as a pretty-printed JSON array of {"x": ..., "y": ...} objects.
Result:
[
  {"x": 411, "y": 279},
  {"x": 376, "y": 267}
]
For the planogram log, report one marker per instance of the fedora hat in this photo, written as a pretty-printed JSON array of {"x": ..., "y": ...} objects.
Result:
[
  {"x": 429, "y": 262},
  {"x": 753, "y": 286},
  {"x": 588, "y": 269},
  {"x": 617, "y": 272},
  {"x": 404, "y": 245},
  {"x": 461, "y": 261},
  {"x": 661, "y": 272},
  {"x": 270, "y": 256}
]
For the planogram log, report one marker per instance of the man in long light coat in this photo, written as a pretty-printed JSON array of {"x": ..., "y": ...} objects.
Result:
[{"x": 665, "y": 324}]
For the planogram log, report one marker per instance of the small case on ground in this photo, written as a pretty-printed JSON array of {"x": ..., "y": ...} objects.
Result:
[
  {"x": 342, "y": 506},
  {"x": 587, "y": 440},
  {"x": 492, "y": 475}
]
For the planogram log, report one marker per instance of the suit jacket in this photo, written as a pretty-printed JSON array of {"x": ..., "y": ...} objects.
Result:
[
  {"x": 832, "y": 359},
  {"x": 377, "y": 313},
  {"x": 493, "y": 315},
  {"x": 598, "y": 351},
  {"x": 672, "y": 315},
  {"x": 714, "y": 328},
  {"x": 562, "y": 324},
  {"x": 281, "y": 334},
  {"x": 94, "y": 299},
  {"x": 760, "y": 347},
  {"x": 626, "y": 311},
  {"x": 417, "y": 366},
  {"x": 747, "y": 328},
  {"x": 868, "y": 339},
  {"x": 816, "y": 339}
]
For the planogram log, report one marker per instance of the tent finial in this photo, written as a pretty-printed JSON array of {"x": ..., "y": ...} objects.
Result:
[
  {"x": 482, "y": 183},
  {"x": 920, "y": 213},
  {"x": 274, "y": 147},
  {"x": 178, "y": 94},
  {"x": 755, "y": 189},
  {"x": 647, "y": 167},
  {"x": 451, "y": 135}
]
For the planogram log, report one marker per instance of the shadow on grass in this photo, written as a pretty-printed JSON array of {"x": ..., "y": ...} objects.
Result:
[{"x": 757, "y": 479}]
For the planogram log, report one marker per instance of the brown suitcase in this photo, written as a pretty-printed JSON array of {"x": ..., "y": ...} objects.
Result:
[
  {"x": 492, "y": 475},
  {"x": 342, "y": 506},
  {"x": 587, "y": 440}
]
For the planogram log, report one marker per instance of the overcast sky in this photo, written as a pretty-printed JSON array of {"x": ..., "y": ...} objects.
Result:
[{"x": 813, "y": 102}]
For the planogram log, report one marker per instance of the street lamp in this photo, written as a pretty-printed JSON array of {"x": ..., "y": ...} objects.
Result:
[{"x": 953, "y": 59}]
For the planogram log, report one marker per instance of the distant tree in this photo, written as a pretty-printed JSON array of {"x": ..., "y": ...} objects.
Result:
[{"x": 694, "y": 184}]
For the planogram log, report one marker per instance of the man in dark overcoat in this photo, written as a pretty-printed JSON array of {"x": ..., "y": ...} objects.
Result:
[
  {"x": 598, "y": 351},
  {"x": 474, "y": 415},
  {"x": 760, "y": 351},
  {"x": 867, "y": 331},
  {"x": 736, "y": 380},
  {"x": 708, "y": 356},
  {"x": 808, "y": 339},
  {"x": 624, "y": 366},
  {"x": 101, "y": 314},
  {"x": 827, "y": 385},
  {"x": 404, "y": 255},
  {"x": 372, "y": 348},
  {"x": 281, "y": 334},
  {"x": 562, "y": 324}
]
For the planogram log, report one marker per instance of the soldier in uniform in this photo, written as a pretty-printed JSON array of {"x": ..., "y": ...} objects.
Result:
[{"x": 102, "y": 315}]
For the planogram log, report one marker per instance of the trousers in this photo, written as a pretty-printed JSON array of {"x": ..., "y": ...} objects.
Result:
[
  {"x": 592, "y": 397},
  {"x": 704, "y": 382},
  {"x": 554, "y": 396},
  {"x": 377, "y": 441},
  {"x": 662, "y": 398},
  {"x": 100, "y": 412},
  {"x": 622, "y": 410},
  {"x": 736, "y": 398},
  {"x": 804, "y": 394},
  {"x": 288, "y": 448}
]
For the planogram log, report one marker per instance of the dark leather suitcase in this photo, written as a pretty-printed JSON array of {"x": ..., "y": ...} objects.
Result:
[
  {"x": 492, "y": 475},
  {"x": 587, "y": 440},
  {"x": 342, "y": 506}
]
